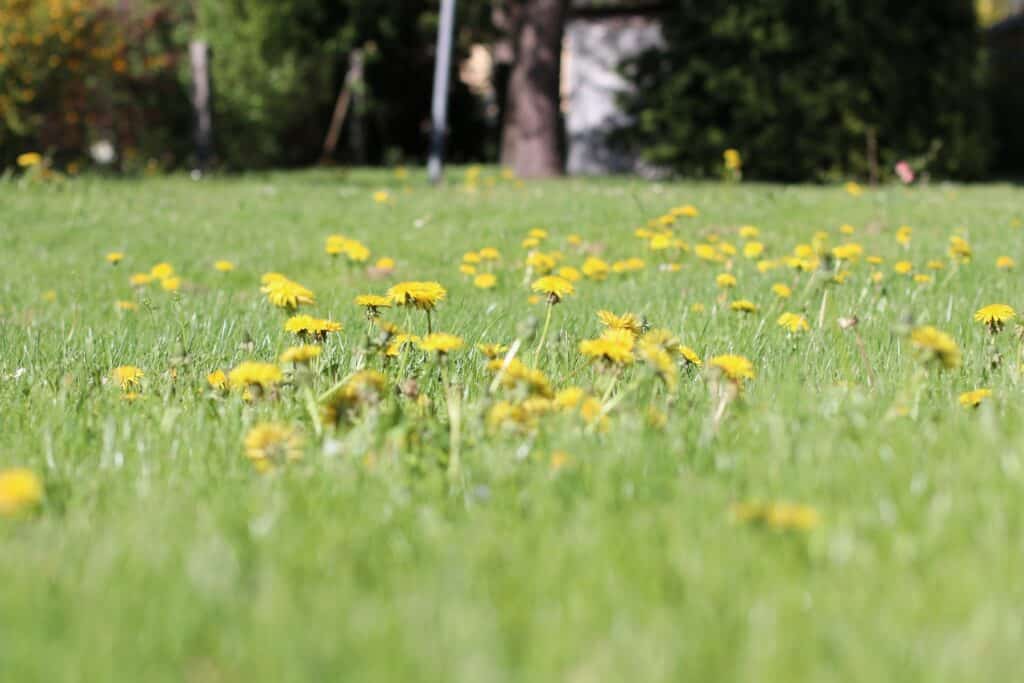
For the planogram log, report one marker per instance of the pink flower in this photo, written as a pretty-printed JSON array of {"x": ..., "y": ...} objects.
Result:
[{"x": 905, "y": 172}]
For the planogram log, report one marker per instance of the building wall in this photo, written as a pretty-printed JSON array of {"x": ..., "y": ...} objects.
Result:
[{"x": 594, "y": 49}]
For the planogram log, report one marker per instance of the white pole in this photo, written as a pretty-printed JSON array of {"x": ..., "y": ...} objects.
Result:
[{"x": 439, "y": 105}]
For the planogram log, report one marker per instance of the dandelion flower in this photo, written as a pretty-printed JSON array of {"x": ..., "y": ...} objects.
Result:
[
  {"x": 485, "y": 281},
  {"x": 903, "y": 267},
  {"x": 253, "y": 373},
  {"x": 779, "y": 516},
  {"x": 123, "y": 305},
  {"x": 936, "y": 345},
  {"x": 1005, "y": 263},
  {"x": 613, "y": 346},
  {"x": 570, "y": 273},
  {"x": 441, "y": 343},
  {"x": 318, "y": 328},
  {"x": 161, "y": 271},
  {"x": 272, "y": 444},
  {"x": 217, "y": 380},
  {"x": 794, "y": 322},
  {"x": 626, "y": 321},
  {"x": 127, "y": 376},
  {"x": 994, "y": 315},
  {"x": 923, "y": 278},
  {"x": 381, "y": 196},
  {"x": 171, "y": 284},
  {"x": 903, "y": 235},
  {"x": 782, "y": 290},
  {"x": 285, "y": 293},
  {"x": 20, "y": 490},
  {"x": 301, "y": 354},
  {"x": 492, "y": 351},
  {"x": 422, "y": 295},
  {"x": 732, "y": 160},
  {"x": 595, "y": 269},
  {"x": 973, "y": 399},
  {"x": 223, "y": 266},
  {"x": 140, "y": 279},
  {"x": 29, "y": 159},
  {"x": 959, "y": 249},
  {"x": 115, "y": 257},
  {"x": 743, "y": 306},
  {"x": 726, "y": 280},
  {"x": 689, "y": 355},
  {"x": 554, "y": 287},
  {"x": 373, "y": 303},
  {"x": 853, "y": 189},
  {"x": 735, "y": 368}
]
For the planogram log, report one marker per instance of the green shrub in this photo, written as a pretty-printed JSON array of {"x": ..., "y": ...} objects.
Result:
[{"x": 798, "y": 86}]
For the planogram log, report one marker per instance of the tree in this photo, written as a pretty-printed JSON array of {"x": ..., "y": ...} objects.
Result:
[{"x": 532, "y": 124}]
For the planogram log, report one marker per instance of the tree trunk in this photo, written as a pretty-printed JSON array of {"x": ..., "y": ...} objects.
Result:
[{"x": 531, "y": 135}]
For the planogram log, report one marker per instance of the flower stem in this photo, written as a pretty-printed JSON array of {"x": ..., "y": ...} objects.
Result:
[{"x": 543, "y": 335}]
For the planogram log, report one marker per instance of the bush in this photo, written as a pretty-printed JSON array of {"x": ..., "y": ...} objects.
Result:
[
  {"x": 74, "y": 72},
  {"x": 798, "y": 86}
]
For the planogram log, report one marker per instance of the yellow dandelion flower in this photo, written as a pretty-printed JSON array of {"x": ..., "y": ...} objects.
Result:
[
  {"x": 381, "y": 196},
  {"x": 363, "y": 389},
  {"x": 726, "y": 249},
  {"x": 689, "y": 355},
  {"x": 959, "y": 249},
  {"x": 127, "y": 376},
  {"x": 753, "y": 250},
  {"x": 782, "y": 290},
  {"x": 217, "y": 380},
  {"x": 733, "y": 367},
  {"x": 301, "y": 354},
  {"x": 517, "y": 374},
  {"x": 613, "y": 346},
  {"x": 936, "y": 345},
  {"x": 595, "y": 269},
  {"x": 492, "y": 351},
  {"x": 687, "y": 210},
  {"x": 385, "y": 265},
  {"x": 626, "y": 321},
  {"x": 272, "y": 444},
  {"x": 654, "y": 349},
  {"x": 485, "y": 281},
  {"x": 726, "y": 280},
  {"x": 29, "y": 159},
  {"x": 20, "y": 490},
  {"x": 570, "y": 273},
  {"x": 115, "y": 257},
  {"x": 749, "y": 232},
  {"x": 847, "y": 229},
  {"x": 903, "y": 235},
  {"x": 422, "y": 295},
  {"x": 467, "y": 269},
  {"x": 223, "y": 266},
  {"x": 875, "y": 260},
  {"x": 743, "y": 306},
  {"x": 373, "y": 303},
  {"x": 542, "y": 263},
  {"x": 697, "y": 308},
  {"x": 554, "y": 287},
  {"x": 973, "y": 399},
  {"x": 530, "y": 243},
  {"x": 471, "y": 257},
  {"x": 140, "y": 279},
  {"x": 254, "y": 373},
  {"x": 732, "y": 159},
  {"x": 853, "y": 189},
  {"x": 441, "y": 343},
  {"x": 903, "y": 267},
  {"x": 629, "y": 265},
  {"x": 848, "y": 252},
  {"x": 794, "y": 322},
  {"x": 923, "y": 278},
  {"x": 161, "y": 271},
  {"x": 318, "y": 328},
  {"x": 1005, "y": 263},
  {"x": 569, "y": 398},
  {"x": 285, "y": 293},
  {"x": 399, "y": 342},
  {"x": 994, "y": 315},
  {"x": 489, "y": 254},
  {"x": 171, "y": 284},
  {"x": 123, "y": 305},
  {"x": 764, "y": 265},
  {"x": 935, "y": 264}
]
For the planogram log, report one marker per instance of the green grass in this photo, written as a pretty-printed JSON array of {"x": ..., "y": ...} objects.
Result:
[{"x": 159, "y": 554}]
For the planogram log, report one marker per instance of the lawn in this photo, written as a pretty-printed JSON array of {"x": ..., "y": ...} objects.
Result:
[{"x": 840, "y": 516}]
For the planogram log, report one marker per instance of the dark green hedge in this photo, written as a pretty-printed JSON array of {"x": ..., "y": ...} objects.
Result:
[{"x": 796, "y": 85}]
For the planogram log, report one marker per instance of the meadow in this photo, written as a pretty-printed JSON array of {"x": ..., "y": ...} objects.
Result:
[{"x": 704, "y": 489}]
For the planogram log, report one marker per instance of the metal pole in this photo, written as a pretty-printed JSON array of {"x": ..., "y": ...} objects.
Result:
[{"x": 439, "y": 105}]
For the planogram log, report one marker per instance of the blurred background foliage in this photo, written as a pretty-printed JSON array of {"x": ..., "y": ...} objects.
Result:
[{"x": 798, "y": 86}]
